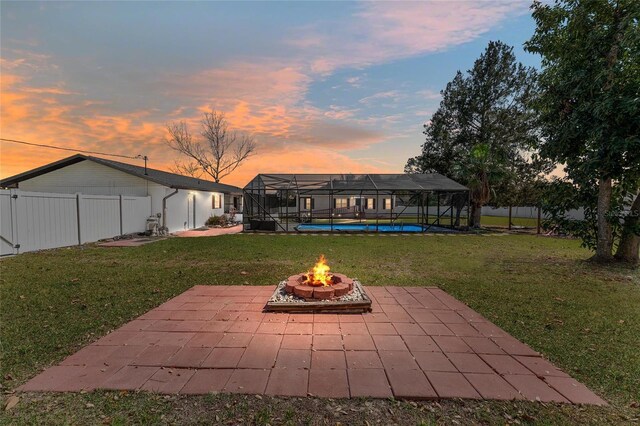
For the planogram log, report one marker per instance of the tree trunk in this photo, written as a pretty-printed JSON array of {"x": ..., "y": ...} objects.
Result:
[
  {"x": 604, "y": 244},
  {"x": 476, "y": 213},
  {"x": 458, "y": 212},
  {"x": 605, "y": 234},
  {"x": 459, "y": 201},
  {"x": 630, "y": 243}
]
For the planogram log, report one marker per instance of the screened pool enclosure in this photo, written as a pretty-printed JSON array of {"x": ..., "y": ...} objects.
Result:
[{"x": 355, "y": 203}]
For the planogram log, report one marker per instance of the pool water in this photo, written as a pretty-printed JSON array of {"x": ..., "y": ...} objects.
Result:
[{"x": 363, "y": 227}]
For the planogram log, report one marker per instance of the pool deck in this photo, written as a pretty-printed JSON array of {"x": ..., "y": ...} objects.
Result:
[
  {"x": 211, "y": 232},
  {"x": 373, "y": 228}
]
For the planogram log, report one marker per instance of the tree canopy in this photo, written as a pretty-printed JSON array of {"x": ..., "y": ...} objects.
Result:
[
  {"x": 589, "y": 110},
  {"x": 484, "y": 133}
]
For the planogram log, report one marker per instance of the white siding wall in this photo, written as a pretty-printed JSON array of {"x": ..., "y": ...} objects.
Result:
[
  {"x": 87, "y": 177},
  {"x": 180, "y": 208},
  {"x": 322, "y": 202}
]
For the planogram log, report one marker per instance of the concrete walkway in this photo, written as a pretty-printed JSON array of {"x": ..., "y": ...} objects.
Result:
[
  {"x": 134, "y": 242},
  {"x": 211, "y": 232},
  {"x": 419, "y": 343}
]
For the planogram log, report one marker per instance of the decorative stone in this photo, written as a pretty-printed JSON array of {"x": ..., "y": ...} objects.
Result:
[
  {"x": 303, "y": 291},
  {"x": 340, "y": 289},
  {"x": 323, "y": 293},
  {"x": 354, "y": 301}
]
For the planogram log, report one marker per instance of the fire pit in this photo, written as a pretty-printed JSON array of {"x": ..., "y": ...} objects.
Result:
[{"x": 319, "y": 291}]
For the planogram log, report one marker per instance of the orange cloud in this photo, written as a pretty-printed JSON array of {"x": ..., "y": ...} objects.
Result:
[
  {"x": 267, "y": 99},
  {"x": 304, "y": 160},
  {"x": 263, "y": 96},
  {"x": 56, "y": 116},
  {"x": 264, "y": 99}
]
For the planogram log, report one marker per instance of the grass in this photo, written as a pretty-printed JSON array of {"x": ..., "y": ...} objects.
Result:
[
  {"x": 584, "y": 318},
  {"x": 503, "y": 221}
]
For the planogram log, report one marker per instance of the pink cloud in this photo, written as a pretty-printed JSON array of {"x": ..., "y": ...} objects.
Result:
[
  {"x": 392, "y": 95},
  {"x": 416, "y": 27},
  {"x": 383, "y": 31}
]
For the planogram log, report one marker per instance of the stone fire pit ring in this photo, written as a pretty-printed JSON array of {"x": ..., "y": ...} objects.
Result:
[
  {"x": 343, "y": 295},
  {"x": 341, "y": 285}
]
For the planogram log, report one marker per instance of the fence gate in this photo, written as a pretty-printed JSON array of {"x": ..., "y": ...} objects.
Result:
[{"x": 8, "y": 223}]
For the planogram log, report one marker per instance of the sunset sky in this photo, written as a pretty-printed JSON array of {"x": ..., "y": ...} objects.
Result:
[{"x": 324, "y": 86}]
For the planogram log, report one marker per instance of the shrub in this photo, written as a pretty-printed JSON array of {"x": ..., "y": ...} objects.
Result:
[{"x": 216, "y": 220}]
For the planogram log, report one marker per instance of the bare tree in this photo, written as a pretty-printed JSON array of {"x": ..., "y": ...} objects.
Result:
[
  {"x": 187, "y": 168},
  {"x": 219, "y": 154}
]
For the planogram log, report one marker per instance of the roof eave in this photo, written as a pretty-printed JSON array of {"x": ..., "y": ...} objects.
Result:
[{"x": 39, "y": 171}]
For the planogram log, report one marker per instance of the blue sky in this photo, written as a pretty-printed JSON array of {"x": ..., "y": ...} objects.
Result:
[{"x": 323, "y": 86}]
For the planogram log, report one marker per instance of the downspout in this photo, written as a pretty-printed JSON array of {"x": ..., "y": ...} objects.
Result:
[{"x": 164, "y": 208}]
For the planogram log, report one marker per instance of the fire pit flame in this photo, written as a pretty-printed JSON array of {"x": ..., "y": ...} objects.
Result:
[
  {"x": 320, "y": 285},
  {"x": 319, "y": 275}
]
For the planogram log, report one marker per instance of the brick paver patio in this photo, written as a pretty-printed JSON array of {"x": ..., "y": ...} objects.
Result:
[{"x": 418, "y": 343}]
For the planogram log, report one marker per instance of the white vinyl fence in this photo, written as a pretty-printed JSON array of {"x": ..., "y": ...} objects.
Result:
[
  {"x": 526, "y": 212},
  {"x": 37, "y": 220}
]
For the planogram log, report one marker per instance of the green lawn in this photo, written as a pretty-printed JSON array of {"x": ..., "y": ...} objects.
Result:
[
  {"x": 584, "y": 318},
  {"x": 503, "y": 221}
]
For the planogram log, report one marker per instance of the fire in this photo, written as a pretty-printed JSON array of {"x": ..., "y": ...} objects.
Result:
[{"x": 319, "y": 275}]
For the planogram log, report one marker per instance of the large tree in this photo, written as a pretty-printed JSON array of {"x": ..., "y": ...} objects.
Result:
[
  {"x": 220, "y": 152},
  {"x": 483, "y": 132},
  {"x": 589, "y": 108}
]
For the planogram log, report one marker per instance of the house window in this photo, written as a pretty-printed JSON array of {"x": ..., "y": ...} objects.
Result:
[
  {"x": 340, "y": 203},
  {"x": 387, "y": 204},
  {"x": 236, "y": 203},
  {"x": 216, "y": 201},
  {"x": 307, "y": 203},
  {"x": 370, "y": 204},
  {"x": 287, "y": 200}
]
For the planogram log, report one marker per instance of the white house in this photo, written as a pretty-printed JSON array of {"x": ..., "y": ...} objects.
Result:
[{"x": 181, "y": 202}]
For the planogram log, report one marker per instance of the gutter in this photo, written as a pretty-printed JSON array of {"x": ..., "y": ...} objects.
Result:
[{"x": 164, "y": 208}]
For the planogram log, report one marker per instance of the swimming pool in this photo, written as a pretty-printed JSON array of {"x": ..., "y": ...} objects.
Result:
[{"x": 363, "y": 227}]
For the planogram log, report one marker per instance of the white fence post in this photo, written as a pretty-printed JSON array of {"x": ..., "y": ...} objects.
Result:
[
  {"x": 121, "y": 221},
  {"x": 14, "y": 222},
  {"x": 79, "y": 218}
]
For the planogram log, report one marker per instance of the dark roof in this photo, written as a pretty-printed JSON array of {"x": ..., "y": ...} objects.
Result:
[
  {"x": 320, "y": 183},
  {"x": 171, "y": 180}
]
